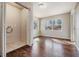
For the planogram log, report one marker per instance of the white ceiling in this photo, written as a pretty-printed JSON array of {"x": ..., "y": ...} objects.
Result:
[{"x": 52, "y": 8}]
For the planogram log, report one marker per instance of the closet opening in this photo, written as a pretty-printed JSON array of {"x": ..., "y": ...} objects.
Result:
[{"x": 16, "y": 17}]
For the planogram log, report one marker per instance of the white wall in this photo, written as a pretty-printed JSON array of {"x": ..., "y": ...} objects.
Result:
[
  {"x": 26, "y": 26},
  {"x": 64, "y": 33},
  {"x": 30, "y": 28},
  {"x": 1, "y": 30},
  {"x": 24, "y": 18},
  {"x": 29, "y": 23},
  {"x": 77, "y": 26},
  {"x": 72, "y": 24},
  {"x": 13, "y": 19}
]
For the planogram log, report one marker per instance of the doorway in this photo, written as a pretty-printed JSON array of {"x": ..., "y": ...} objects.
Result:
[{"x": 16, "y": 26}]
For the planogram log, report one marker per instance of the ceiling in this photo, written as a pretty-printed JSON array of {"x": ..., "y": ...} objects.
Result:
[{"x": 52, "y": 8}]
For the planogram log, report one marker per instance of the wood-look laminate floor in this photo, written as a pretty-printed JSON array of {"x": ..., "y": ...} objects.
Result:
[{"x": 46, "y": 47}]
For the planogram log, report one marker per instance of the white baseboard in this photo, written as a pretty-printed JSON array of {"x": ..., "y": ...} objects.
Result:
[{"x": 55, "y": 37}]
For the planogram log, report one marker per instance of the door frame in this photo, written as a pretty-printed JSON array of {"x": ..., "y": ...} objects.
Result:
[
  {"x": 73, "y": 24},
  {"x": 4, "y": 26}
]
